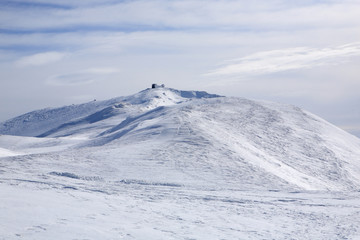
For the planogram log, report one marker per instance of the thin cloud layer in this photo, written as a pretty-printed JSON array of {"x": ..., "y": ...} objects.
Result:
[
  {"x": 41, "y": 59},
  {"x": 66, "y": 16},
  {"x": 83, "y": 77},
  {"x": 287, "y": 59}
]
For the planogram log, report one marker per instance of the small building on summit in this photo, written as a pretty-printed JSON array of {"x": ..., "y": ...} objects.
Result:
[{"x": 154, "y": 85}]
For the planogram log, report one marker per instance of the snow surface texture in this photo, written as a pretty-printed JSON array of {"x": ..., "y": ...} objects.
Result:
[{"x": 170, "y": 164}]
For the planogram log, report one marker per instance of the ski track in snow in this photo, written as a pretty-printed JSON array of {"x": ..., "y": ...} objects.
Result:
[{"x": 169, "y": 164}]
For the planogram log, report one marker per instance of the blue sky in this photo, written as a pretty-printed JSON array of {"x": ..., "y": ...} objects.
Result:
[{"x": 59, "y": 52}]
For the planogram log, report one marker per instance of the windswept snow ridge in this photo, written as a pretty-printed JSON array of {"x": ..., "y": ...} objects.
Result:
[
  {"x": 259, "y": 168},
  {"x": 38, "y": 122}
]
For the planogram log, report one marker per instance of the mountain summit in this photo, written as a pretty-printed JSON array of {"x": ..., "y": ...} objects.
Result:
[{"x": 192, "y": 136}]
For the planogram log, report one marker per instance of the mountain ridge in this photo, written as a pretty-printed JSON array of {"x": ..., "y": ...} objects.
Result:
[{"x": 19, "y": 125}]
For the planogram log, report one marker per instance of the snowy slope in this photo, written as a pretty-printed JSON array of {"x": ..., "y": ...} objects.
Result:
[
  {"x": 170, "y": 164},
  {"x": 18, "y": 145},
  {"x": 6, "y": 152}
]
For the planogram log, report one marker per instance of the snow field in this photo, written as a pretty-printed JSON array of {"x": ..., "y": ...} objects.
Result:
[{"x": 162, "y": 212}]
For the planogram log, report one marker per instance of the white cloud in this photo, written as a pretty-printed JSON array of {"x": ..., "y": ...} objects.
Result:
[
  {"x": 103, "y": 70},
  {"x": 40, "y": 59},
  {"x": 83, "y": 77},
  {"x": 287, "y": 59}
]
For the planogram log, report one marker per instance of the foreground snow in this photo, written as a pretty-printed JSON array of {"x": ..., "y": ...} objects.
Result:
[
  {"x": 137, "y": 211},
  {"x": 169, "y": 164}
]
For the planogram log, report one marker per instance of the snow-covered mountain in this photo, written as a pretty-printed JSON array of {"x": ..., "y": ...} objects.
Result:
[
  {"x": 255, "y": 143},
  {"x": 170, "y": 145}
]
